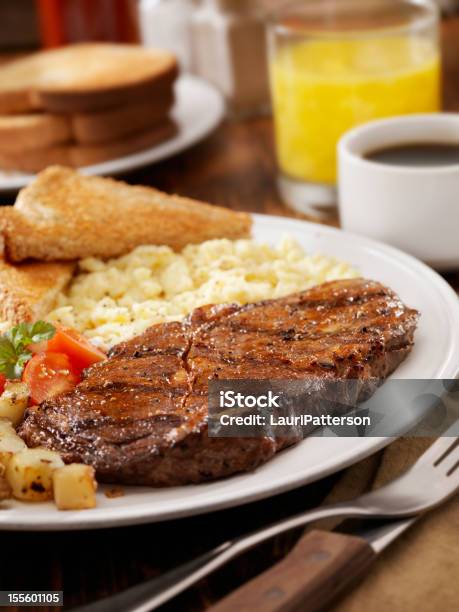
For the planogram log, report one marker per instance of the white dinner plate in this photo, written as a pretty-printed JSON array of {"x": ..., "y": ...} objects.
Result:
[
  {"x": 198, "y": 110},
  {"x": 435, "y": 355}
]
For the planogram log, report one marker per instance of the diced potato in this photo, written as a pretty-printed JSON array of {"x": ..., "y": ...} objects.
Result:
[
  {"x": 5, "y": 489},
  {"x": 5, "y": 458},
  {"x": 7, "y": 431},
  {"x": 75, "y": 487},
  {"x": 10, "y": 442},
  {"x": 13, "y": 401},
  {"x": 30, "y": 474}
]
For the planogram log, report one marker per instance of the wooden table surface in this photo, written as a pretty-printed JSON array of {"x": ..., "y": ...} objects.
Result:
[{"x": 235, "y": 167}]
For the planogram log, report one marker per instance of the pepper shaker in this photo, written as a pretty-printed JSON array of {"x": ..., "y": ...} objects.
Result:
[{"x": 229, "y": 50}]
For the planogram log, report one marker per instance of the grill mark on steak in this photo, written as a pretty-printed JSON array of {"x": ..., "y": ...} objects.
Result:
[{"x": 141, "y": 416}]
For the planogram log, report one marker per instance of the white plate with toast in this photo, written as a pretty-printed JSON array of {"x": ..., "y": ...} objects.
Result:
[
  {"x": 198, "y": 110},
  {"x": 435, "y": 355}
]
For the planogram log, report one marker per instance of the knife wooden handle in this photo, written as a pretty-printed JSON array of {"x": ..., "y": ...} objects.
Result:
[{"x": 319, "y": 567}]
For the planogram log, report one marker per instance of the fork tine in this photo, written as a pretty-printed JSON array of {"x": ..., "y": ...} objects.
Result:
[
  {"x": 436, "y": 451},
  {"x": 454, "y": 469},
  {"x": 449, "y": 459},
  {"x": 449, "y": 479}
]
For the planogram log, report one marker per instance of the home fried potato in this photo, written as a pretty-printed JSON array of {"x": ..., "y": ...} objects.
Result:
[
  {"x": 13, "y": 401},
  {"x": 5, "y": 489},
  {"x": 75, "y": 487},
  {"x": 30, "y": 474},
  {"x": 10, "y": 442}
]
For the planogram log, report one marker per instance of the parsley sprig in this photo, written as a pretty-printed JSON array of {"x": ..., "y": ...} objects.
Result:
[{"x": 14, "y": 353}]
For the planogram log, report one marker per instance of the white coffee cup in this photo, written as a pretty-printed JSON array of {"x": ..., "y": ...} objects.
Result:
[{"x": 413, "y": 208}]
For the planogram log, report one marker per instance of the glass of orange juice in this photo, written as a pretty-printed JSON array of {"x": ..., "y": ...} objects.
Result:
[{"x": 335, "y": 64}]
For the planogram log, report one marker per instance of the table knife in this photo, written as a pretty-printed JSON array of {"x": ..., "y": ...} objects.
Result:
[{"x": 320, "y": 567}]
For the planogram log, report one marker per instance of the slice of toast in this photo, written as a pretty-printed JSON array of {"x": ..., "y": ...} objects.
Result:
[
  {"x": 88, "y": 154},
  {"x": 85, "y": 77},
  {"x": 64, "y": 215},
  {"x": 78, "y": 156},
  {"x": 34, "y": 160},
  {"x": 116, "y": 123},
  {"x": 28, "y": 291},
  {"x": 17, "y": 101},
  {"x": 33, "y": 131}
]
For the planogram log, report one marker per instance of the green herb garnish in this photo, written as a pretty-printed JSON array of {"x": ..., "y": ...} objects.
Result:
[{"x": 14, "y": 353}]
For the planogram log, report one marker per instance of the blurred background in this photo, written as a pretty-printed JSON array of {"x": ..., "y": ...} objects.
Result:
[
  {"x": 222, "y": 41},
  {"x": 30, "y": 24},
  {"x": 215, "y": 39},
  {"x": 329, "y": 65}
]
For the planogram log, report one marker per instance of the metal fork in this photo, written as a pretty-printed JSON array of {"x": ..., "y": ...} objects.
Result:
[{"x": 430, "y": 481}]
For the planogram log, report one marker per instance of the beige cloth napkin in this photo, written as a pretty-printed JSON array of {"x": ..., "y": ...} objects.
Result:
[{"x": 420, "y": 571}]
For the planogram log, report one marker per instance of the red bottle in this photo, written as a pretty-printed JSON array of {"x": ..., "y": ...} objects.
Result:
[{"x": 70, "y": 21}]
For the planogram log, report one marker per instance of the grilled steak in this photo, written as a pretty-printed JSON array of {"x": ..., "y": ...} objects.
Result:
[{"x": 140, "y": 417}]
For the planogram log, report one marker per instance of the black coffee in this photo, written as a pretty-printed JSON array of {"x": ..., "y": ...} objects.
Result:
[{"x": 417, "y": 154}]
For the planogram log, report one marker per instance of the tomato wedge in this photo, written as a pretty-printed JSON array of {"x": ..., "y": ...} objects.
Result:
[
  {"x": 2, "y": 383},
  {"x": 48, "y": 375},
  {"x": 70, "y": 342}
]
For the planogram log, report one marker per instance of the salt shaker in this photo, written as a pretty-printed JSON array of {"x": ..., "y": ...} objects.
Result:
[
  {"x": 229, "y": 50},
  {"x": 165, "y": 24}
]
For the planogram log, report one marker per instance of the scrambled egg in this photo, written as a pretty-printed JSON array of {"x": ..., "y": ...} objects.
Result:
[{"x": 118, "y": 299}]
